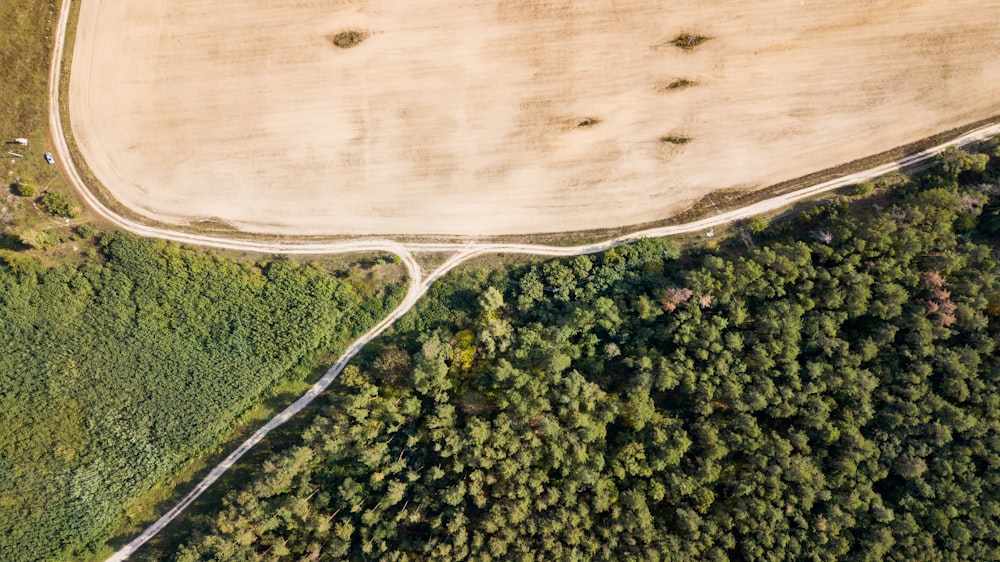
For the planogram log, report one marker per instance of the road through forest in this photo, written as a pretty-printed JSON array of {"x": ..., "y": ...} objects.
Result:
[{"x": 419, "y": 282}]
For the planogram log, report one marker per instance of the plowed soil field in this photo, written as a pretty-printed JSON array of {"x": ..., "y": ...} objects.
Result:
[{"x": 514, "y": 116}]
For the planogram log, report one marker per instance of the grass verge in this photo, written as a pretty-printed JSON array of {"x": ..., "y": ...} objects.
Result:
[{"x": 25, "y": 47}]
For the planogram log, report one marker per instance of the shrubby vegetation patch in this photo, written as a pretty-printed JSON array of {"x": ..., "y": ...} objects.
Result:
[
  {"x": 348, "y": 39},
  {"x": 689, "y": 41},
  {"x": 116, "y": 373}
]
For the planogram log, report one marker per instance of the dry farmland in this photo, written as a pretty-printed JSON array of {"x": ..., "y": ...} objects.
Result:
[{"x": 512, "y": 116}]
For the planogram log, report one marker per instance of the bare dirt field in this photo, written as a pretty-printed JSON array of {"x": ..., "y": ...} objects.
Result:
[{"x": 504, "y": 117}]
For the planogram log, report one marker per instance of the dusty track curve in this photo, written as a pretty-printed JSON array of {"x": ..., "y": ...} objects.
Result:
[{"x": 419, "y": 284}]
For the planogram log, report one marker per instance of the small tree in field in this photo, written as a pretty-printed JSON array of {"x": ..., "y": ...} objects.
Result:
[
  {"x": 57, "y": 205},
  {"x": 39, "y": 239},
  {"x": 24, "y": 189}
]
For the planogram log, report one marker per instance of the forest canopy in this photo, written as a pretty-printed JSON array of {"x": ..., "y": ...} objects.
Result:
[
  {"x": 117, "y": 372},
  {"x": 825, "y": 387}
]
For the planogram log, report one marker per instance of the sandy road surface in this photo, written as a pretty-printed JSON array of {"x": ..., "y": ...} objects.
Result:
[{"x": 461, "y": 116}]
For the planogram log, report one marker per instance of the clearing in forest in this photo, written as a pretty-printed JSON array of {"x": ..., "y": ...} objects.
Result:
[{"x": 504, "y": 117}]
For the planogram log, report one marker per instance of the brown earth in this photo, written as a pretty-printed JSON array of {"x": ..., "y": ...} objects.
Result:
[{"x": 504, "y": 117}]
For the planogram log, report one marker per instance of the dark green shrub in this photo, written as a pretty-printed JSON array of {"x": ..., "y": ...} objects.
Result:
[
  {"x": 24, "y": 189},
  {"x": 86, "y": 231},
  {"x": 39, "y": 239},
  {"x": 758, "y": 224},
  {"x": 58, "y": 205}
]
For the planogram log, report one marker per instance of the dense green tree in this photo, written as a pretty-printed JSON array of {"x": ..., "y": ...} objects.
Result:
[{"x": 57, "y": 205}]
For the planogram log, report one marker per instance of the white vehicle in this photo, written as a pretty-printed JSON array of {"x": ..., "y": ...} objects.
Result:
[{"x": 21, "y": 141}]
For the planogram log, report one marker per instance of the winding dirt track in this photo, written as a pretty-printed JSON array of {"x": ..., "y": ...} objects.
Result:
[{"x": 419, "y": 282}]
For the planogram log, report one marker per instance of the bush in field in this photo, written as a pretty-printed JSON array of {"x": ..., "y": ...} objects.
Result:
[
  {"x": 58, "y": 205},
  {"x": 39, "y": 239},
  {"x": 86, "y": 231},
  {"x": 689, "y": 40},
  {"x": 680, "y": 83},
  {"x": 348, "y": 39},
  {"x": 24, "y": 189},
  {"x": 675, "y": 139}
]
